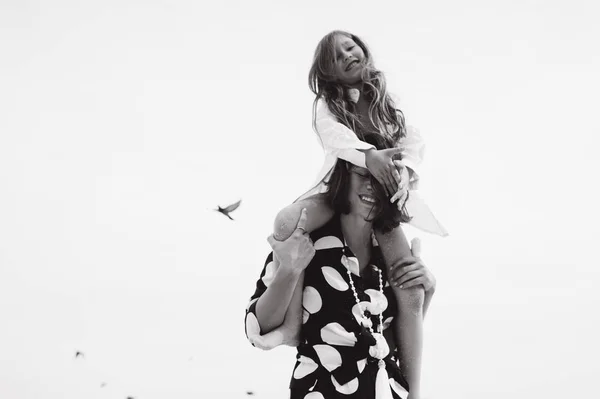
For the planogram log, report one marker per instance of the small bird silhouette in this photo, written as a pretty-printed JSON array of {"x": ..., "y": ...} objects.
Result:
[
  {"x": 249, "y": 393},
  {"x": 230, "y": 208},
  {"x": 103, "y": 385},
  {"x": 78, "y": 353}
]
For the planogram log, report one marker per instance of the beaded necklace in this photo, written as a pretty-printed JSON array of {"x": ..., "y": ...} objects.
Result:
[{"x": 381, "y": 349}]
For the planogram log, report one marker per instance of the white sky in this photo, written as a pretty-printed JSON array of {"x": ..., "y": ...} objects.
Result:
[{"x": 124, "y": 123}]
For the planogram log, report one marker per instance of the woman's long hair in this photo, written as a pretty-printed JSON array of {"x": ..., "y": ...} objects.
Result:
[{"x": 323, "y": 82}]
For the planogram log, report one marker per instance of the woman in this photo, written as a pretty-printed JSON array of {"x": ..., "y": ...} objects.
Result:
[{"x": 346, "y": 348}]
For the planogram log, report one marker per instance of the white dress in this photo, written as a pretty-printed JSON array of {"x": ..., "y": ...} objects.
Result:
[{"x": 338, "y": 141}]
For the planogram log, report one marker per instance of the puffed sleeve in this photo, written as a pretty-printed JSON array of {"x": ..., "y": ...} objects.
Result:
[
  {"x": 337, "y": 139},
  {"x": 413, "y": 151},
  {"x": 280, "y": 335}
]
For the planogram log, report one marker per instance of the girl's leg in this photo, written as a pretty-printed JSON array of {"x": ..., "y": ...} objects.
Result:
[
  {"x": 409, "y": 322},
  {"x": 318, "y": 213}
]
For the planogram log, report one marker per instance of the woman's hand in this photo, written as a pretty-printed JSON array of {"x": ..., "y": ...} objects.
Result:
[
  {"x": 297, "y": 251},
  {"x": 381, "y": 165},
  {"x": 412, "y": 272}
]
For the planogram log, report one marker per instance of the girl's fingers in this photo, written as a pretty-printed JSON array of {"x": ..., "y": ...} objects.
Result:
[
  {"x": 399, "y": 194},
  {"x": 395, "y": 182},
  {"x": 380, "y": 177},
  {"x": 386, "y": 185},
  {"x": 397, "y": 176},
  {"x": 399, "y": 164},
  {"x": 390, "y": 184}
]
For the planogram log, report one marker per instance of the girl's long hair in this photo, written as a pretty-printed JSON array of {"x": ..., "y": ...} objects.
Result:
[{"x": 324, "y": 84}]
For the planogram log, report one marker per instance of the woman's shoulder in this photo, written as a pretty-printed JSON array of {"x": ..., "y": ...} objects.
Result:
[{"x": 331, "y": 231}]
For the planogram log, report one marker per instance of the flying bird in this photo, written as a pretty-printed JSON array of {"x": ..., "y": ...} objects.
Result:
[
  {"x": 230, "y": 208},
  {"x": 249, "y": 393},
  {"x": 77, "y": 354},
  {"x": 103, "y": 385}
]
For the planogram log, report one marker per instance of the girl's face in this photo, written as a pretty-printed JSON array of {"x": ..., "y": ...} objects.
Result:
[
  {"x": 361, "y": 196},
  {"x": 349, "y": 60}
]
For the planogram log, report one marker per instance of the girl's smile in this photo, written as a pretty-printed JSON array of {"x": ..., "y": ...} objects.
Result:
[{"x": 349, "y": 57}]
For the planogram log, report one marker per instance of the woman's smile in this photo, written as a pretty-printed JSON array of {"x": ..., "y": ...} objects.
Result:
[{"x": 367, "y": 199}]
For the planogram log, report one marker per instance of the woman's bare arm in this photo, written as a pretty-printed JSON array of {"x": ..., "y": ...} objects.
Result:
[{"x": 408, "y": 325}]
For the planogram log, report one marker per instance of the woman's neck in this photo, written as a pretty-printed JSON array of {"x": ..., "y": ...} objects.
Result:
[{"x": 357, "y": 233}]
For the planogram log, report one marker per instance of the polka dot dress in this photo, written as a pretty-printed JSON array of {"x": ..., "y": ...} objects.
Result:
[{"x": 333, "y": 358}]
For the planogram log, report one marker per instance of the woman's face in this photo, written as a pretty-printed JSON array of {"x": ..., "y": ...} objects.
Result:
[
  {"x": 349, "y": 60},
  {"x": 361, "y": 196}
]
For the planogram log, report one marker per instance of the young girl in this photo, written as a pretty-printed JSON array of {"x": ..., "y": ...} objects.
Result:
[{"x": 351, "y": 101}]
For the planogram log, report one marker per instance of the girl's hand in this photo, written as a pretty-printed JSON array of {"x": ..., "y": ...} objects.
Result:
[
  {"x": 412, "y": 272},
  {"x": 381, "y": 165},
  {"x": 402, "y": 194},
  {"x": 297, "y": 251}
]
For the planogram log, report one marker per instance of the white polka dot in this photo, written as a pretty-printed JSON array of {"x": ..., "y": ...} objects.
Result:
[
  {"x": 379, "y": 302},
  {"x": 334, "y": 279},
  {"x": 361, "y": 365},
  {"x": 305, "y": 367},
  {"x": 399, "y": 389},
  {"x": 270, "y": 340},
  {"x": 269, "y": 273},
  {"x": 387, "y": 322},
  {"x": 311, "y": 300},
  {"x": 348, "y": 388},
  {"x": 305, "y": 316},
  {"x": 252, "y": 326},
  {"x": 351, "y": 262},
  {"x": 314, "y": 395},
  {"x": 335, "y": 334},
  {"x": 329, "y": 357},
  {"x": 356, "y": 310},
  {"x": 328, "y": 242},
  {"x": 250, "y": 303}
]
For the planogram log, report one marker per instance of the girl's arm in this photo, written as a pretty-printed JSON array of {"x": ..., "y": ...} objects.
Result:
[
  {"x": 413, "y": 151},
  {"x": 337, "y": 139},
  {"x": 341, "y": 142}
]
